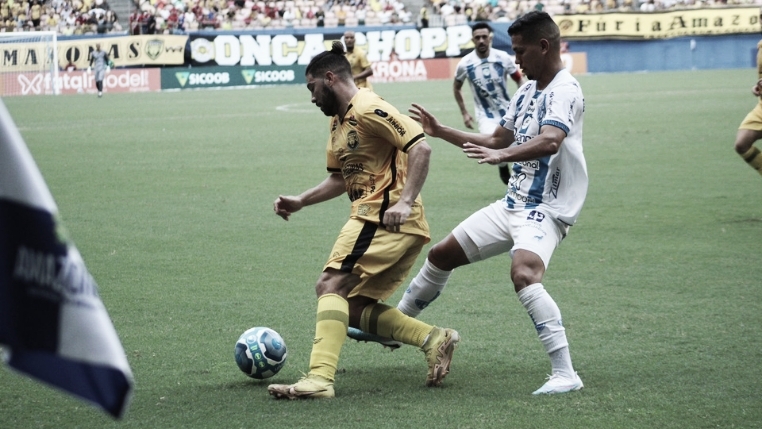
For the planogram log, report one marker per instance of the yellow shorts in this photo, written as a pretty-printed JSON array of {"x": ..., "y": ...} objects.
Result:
[
  {"x": 753, "y": 121},
  {"x": 381, "y": 258}
]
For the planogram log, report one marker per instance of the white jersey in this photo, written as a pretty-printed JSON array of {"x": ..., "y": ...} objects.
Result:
[
  {"x": 555, "y": 184},
  {"x": 488, "y": 78}
]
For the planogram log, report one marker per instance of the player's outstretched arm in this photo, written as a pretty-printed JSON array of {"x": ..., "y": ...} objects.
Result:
[
  {"x": 330, "y": 188},
  {"x": 434, "y": 128},
  {"x": 547, "y": 143},
  {"x": 483, "y": 154}
]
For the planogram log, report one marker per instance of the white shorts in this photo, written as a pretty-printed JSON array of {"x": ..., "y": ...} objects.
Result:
[
  {"x": 487, "y": 125},
  {"x": 494, "y": 230}
]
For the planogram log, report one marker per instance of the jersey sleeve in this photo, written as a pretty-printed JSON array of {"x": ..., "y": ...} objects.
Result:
[
  {"x": 561, "y": 106},
  {"x": 387, "y": 123}
]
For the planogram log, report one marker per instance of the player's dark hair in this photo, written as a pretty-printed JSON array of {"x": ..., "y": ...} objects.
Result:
[
  {"x": 535, "y": 26},
  {"x": 333, "y": 60},
  {"x": 481, "y": 25}
]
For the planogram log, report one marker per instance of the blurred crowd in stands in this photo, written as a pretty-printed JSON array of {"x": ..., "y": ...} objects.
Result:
[
  {"x": 453, "y": 12},
  {"x": 69, "y": 17},
  {"x": 66, "y": 17},
  {"x": 191, "y": 15}
]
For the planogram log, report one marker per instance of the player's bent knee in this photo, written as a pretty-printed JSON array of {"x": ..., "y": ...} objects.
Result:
[
  {"x": 436, "y": 257},
  {"x": 447, "y": 254},
  {"x": 745, "y": 139},
  {"x": 521, "y": 281},
  {"x": 742, "y": 146},
  {"x": 524, "y": 275}
]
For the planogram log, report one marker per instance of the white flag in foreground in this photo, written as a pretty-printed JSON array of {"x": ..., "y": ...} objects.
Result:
[{"x": 53, "y": 325}]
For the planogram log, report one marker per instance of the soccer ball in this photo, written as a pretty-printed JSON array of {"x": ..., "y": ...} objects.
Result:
[{"x": 260, "y": 352}]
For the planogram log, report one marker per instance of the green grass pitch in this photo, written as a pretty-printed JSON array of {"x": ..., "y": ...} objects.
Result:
[{"x": 168, "y": 197}]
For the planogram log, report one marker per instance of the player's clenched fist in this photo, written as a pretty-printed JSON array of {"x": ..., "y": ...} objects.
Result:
[{"x": 284, "y": 206}]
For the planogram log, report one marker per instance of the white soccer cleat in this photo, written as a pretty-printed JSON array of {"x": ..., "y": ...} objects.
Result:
[{"x": 559, "y": 384}]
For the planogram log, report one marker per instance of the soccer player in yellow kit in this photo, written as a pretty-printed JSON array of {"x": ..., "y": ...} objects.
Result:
[
  {"x": 751, "y": 128},
  {"x": 361, "y": 69},
  {"x": 379, "y": 158}
]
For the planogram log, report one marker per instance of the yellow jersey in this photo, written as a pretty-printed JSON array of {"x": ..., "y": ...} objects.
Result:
[
  {"x": 359, "y": 62},
  {"x": 368, "y": 145}
]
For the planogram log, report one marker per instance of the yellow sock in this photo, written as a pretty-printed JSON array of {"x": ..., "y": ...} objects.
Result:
[
  {"x": 380, "y": 319},
  {"x": 330, "y": 334},
  {"x": 754, "y": 158}
]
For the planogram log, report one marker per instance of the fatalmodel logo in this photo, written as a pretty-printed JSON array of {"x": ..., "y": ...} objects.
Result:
[
  {"x": 33, "y": 86},
  {"x": 130, "y": 80}
]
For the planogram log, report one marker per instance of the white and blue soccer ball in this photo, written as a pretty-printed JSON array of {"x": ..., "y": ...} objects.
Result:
[{"x": 260, "y": 352}]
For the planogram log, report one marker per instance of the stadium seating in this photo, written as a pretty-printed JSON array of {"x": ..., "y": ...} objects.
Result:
[{"x": 73, "y": 17}]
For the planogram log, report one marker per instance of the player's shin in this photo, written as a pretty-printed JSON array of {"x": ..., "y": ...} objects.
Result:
[
  {"x": 547, "y": 320},
  {"x": 330, "y": 334},
  {"x": 380, "y": 319},
  {"x": 425, "y": 288}
]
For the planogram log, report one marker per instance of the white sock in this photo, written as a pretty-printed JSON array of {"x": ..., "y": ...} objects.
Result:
[
  {"x": 547, "y": 320},
  {"x": 560, "y": 362},
  {"x": 425, "y": 288}
]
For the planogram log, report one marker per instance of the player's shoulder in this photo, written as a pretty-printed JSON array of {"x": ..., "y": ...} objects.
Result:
[
  {"x": 564, "y": 79},
  {"x": 465, "y": 59},
  {"x": 503, "y": 57},
  {"x": 499, "y": 53},
  {"x": 528, "y": 86},
  {"x": 368, "y": 103}
]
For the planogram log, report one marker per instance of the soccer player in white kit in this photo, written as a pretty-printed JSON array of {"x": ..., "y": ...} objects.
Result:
[
  {"x": 487, "y": 71},
  {"x": 541, "y": 133}
]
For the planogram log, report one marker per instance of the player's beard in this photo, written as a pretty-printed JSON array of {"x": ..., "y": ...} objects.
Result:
[{"x": 329, "y": 104}]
